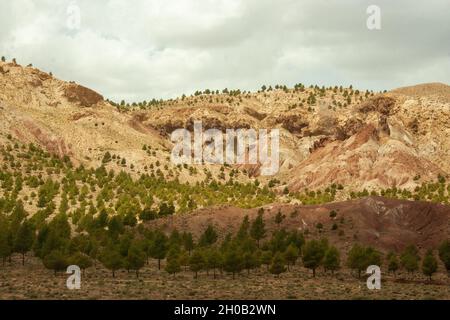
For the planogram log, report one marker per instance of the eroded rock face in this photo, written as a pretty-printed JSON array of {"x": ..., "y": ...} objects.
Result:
[
  {"x": 255, "y": 114},
  {"x": 380, "y": 104},
  {"x": 384, "y": 125},
  {"x": 293, "y": 123},
  {"x": 51, "y": 143},
  {"x": 351, "y": 127},
  {"x": 82, "y": 95}
]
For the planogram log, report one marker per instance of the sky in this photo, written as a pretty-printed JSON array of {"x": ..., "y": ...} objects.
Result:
[{"x": 143, "y": 49}]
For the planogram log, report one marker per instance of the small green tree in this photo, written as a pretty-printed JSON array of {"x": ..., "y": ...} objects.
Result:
[
  {"x": 173, "y": 262},
  {"x": 106, "y": 157},
  {"x": 24, "y": 239},
  {"x": 166, "y": 209},
  {"x": 209, "y": 237},
  {"x": 81, "y": 260},
  {"x": 148, "y": 214},
  {"x": 243, "y": 231},
  {"x": 184, "y": 259},
  {"x": 279, "y": 218},
  {"x": 313, "y": 253},
  {"x": 250, "y": 260},
  {"x": 232, "y": 261},
  {"x": 55, "y": 261},
  {"x": 332, "y": 260},
  {"x": 188, "y": 242},
  {"x": 444, "y": 254},
  {"x": 136, "y": 257},
  {"x": 277, "y": 266},
  {"x": 429, "y": 264},
  {"x": 3, "y": 59},
  {"x": 291, "y": 255},
  {"x": 409, "y": 259},
  {"x": 5, "y": 244},
  {"x": 359, "y": 258},
  {"x": 196, "y": 262},
  {"x": 112, "y": 259},
  {"x": 258, "y": 228},
  {"x": 158, "y": 247},
  {"x": 213, "y": 260},
  {"x": 266, "y": 258},
  {"x": 393, "y": 263}
]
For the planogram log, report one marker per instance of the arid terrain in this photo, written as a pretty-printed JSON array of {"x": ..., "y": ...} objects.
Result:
[
  {"x": 359, "y": 139},
  {"x": 86, "y": 179},
  {"x": 35, "y": 282}
]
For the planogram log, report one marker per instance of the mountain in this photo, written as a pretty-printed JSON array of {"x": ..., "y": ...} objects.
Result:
[{"x": 342, "y": 136}]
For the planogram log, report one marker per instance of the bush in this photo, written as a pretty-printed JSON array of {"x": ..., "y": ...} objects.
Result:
[
  {"x": 277, "y": 266},
  {"x": 55, "y": 261}
]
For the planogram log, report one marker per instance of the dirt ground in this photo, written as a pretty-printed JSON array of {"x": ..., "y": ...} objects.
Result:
[{"x": 33, "y": 281}]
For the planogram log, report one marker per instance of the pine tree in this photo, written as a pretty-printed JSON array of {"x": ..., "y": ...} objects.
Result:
[
  {"x": 209, "y": 237},
  {"x": 359, "y": 258},
  {"x": 444, "y": 254},
  {"x": 112, "y": 259},
  {"x": 429, "y": 264},
  {"x": 277, "y": 266},
  {"x": 55, "y": 261},
  {"x": 393, "y": 264},
  {"x": 5, "y": 245},
  {"x": 291, "y": 255},
  {"x": 196, "y": 262},
  {"x": 313, "y": 253},
  {"x": 297, "y": 239},
  {"x": 24, "y": 239},
  {"x": 158, "y": 247},
  {"x": 332, "y": 259},
  {"x": 279, "y": 218},
  {"x": 188, "y": 242},
  {"x": 410, "y": 259},
  {"x": 266, "y": 258},
  {"x": 213, "y": 260},
  {"x": 250, "y": 260},
  {"x": 115, "y": 226},
  {"x": 232, "y": 261},
  {"x": 106, "y": 157},
  {"x": 136, "y": 257},
  {"x": 173, "y": 262},
  {"x": 175, "y": 240},
  {"x": 258, "y": 229},
  {"x": 243, "y": 229},
  {"x": 81, "y": 260},
  {"x": 184, "y": 259}
]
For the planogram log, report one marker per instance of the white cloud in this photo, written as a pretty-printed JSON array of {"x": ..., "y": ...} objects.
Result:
[{"x": 138, "y": 50}]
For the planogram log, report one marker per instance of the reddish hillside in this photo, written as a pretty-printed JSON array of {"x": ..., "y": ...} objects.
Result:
[{"x": 387, "y": 224}]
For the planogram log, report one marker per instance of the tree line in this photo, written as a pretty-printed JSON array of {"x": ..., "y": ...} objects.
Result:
[{"x": 118, "y": 247}]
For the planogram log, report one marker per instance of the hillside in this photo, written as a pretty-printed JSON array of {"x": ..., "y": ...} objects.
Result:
[
  {"x": 356, "y": 139},
  {"x": 387, "y": 224},
  {"x": 89, "y": 182}
]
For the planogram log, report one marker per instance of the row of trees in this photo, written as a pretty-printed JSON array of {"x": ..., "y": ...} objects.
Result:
[{"x": 250, "y": 248}]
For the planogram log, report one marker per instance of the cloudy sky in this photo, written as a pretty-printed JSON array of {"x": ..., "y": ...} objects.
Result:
[{"x": 143, "y": 49}]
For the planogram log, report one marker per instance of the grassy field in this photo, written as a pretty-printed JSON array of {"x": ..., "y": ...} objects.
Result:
[{"x": 33, "y": 281}]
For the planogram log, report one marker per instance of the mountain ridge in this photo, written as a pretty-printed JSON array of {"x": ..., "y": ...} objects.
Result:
[{"x": 328, "y": 135}]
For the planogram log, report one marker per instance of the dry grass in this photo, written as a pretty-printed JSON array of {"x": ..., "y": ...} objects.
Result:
[{"x": 34, "y": 282}]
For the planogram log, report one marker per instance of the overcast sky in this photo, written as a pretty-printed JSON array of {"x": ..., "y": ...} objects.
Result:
[{"x": 143, "y": 49}]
